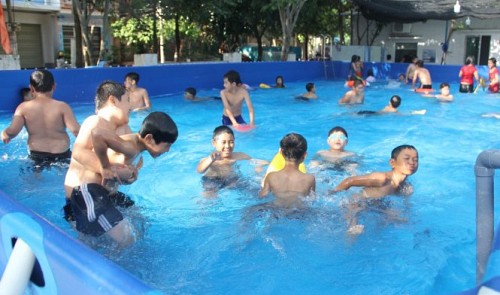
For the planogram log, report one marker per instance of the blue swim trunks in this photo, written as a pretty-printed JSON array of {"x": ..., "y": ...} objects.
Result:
[{"x": 227, "y": 122}]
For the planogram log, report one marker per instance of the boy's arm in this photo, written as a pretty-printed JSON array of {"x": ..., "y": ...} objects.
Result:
[
  {"x": 70, "y": 120},
  {"x": 345, "y": 98},
  {"x": 415, "y": 76},
  {"x": 103, "y": 139},
  {"x": 227, "y": 109},
  {"x": 375, "y": 179},
  {"x": 250, "y": 108},
  {"x": 205, "y": 163},
  {"x": 15, "y": 127},
  {"x": 147, "y": 102},
  {"x": 82, "y": 148},
  {"x": 266, "y": 188}
]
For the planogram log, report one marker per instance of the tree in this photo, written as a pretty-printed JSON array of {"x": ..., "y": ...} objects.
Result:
[
  {"x": 289, "y": 12},
  {"x": 82, "y": 10}
]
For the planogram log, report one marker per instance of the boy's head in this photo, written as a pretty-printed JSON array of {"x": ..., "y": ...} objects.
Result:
[
  {"x": 42, "y": 81},
  {"x": 26, "y": 94},
  {"x": 223, "y": 141},
  {"x": 280, "y": 81},
  {"x": 420, "y": 63},
  {"x": 337, "y": 138},
  {"x": 190, "y": 93},
  {"x": 395, "y": 101},
  {"x": 404, "y": 159},
  {"x": 310, "y": 87},
  {"x": 445, "y": 88},
  {"x": 131, "y": 79},
  {"x": 358, "y": 85},
  {"x": 294, "y": 147},
  {"x": 114, "y": 95},
  {"x": 233, "y": 77},
  {"x": 159, "y": 132}
]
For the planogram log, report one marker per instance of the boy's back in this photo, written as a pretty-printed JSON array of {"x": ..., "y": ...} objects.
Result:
[{"x": 289, "y": 184}]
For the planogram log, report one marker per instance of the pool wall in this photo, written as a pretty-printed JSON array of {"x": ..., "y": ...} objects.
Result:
[
  {"x": 66, "y": 266},
  {"x": 79, "y": 85}
]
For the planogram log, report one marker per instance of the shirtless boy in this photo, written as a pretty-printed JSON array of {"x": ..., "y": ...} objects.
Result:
[
  {"x": 218, "y": 168},
  {"x": 139, "y": 98},
  {"x": 233, "y": 95},
  {"x": 46, "y": 120},
  {"x": 289, "y": 185},
  {"x": 157, "y": 134},
  {"x": 83, "y": 179},
  {"x": 377, "y": 185},
  {"x": 310, "y": 94},
  {"x": 410, "y": 71},
  {"x": 354, "y": 96},
  {"x": 337, "y": 141},
  {"x": 444, "y": 95},
  {"x": 423, "y": 75}
]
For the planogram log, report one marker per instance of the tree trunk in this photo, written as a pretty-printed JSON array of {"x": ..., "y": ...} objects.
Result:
[
  {"x": 106, "y": 38},
  {"x": 82, "y": 13},
  {"x": 78, "y": 36},
  {"x": 177, "y": 37},
  {"x": 289, "y": 14}
]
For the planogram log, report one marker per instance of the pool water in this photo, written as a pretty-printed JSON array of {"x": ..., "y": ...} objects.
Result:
[{"x": 233, "y": 244}]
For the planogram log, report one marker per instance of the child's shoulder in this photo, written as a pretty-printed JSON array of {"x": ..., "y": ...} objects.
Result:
[{"x": 241, "y": 156}]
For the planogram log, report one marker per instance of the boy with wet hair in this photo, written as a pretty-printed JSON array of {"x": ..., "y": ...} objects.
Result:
[
  {"x": 218, "y": 167},
  {"x": 139, "y": 98},
  {"x": 83, "y": 179},
  {"x": 310, "y": 94},
  {"x": 337, "y": 141},
  {"x": 377, "y": 185},
  {"x": 233, "y": 95},
  {"x": 46, "y": 120},
  {"x": 356, "y": 95},
  {"x": 190, "y": 94},
  {"x": 26, "y": 94},
  {"x": 393, "y": 105},
  {"x": 289, "y": 185}
]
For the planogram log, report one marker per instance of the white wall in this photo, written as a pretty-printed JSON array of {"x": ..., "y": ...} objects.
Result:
[{"x": 433, "y": 34}]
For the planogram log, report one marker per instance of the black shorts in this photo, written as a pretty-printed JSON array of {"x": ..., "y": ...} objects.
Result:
[
  {"x": 466, "y": 88},
  {"x": 93, "y": 209},
  {"x": 45, "y": 158}
]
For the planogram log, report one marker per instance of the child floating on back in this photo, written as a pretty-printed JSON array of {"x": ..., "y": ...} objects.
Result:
[
  {"x": 377, "y": 185},
  {"x": 289, "y": 184}
]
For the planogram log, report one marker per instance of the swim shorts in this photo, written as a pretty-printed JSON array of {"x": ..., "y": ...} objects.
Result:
[
  {"x": 466, "y": 88},
  {"x": 426, "y": 86},
  {"x": 227, "y": 122},
  {"x": 217, "y": 183},
  {"x": 493, "y": 87},
  {"x": 93, "y": 209},
  {"x": 45, "y": 158}
]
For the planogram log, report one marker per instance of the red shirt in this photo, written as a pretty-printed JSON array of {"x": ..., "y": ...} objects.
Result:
[{"x": 468, "y": 74}]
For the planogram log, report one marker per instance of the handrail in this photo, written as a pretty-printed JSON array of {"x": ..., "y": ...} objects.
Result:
[{"x": 486, "y": 163}]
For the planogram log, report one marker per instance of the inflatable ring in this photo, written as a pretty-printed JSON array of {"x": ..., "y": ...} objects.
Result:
[
  {"x": 264, "y": 86},
  {"x": 424, "y": 90}
]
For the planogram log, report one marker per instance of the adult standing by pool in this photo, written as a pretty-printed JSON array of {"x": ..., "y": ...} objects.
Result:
[
  {"x": 45, "y": 119},
  {"x": 467, "y": 75}
]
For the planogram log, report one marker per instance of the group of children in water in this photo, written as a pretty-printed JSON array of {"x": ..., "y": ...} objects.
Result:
[{"x": 106, "y": 154}]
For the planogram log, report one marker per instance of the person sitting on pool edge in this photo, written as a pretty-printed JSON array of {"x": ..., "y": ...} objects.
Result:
[
  {"x": 310, "y": 94},
  {"x": 217, "y": 169},
  {"x": 377, "y": 185},
  {"x": 190, "y": 94},
  {"x": 289, "y": 185},
  {"x": 233, "y": 95},
  {"x": 356, "y": 95}
]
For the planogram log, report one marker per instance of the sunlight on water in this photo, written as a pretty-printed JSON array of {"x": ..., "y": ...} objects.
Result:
[{"x": 237, "y": 244}]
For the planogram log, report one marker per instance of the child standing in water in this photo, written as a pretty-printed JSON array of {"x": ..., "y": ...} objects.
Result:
[
  {"x": 290, "y": 184},
  {"x": 337, "y": 141},
  {"x": 218, "y": 168},
  {"x": 233, "y": 95},
  {"x": 377, "y": 185},
  {"x": 493, "y": 74}
]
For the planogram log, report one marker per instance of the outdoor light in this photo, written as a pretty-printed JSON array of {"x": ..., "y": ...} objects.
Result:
[
  {"x": 456, "y": 8},
  {"x": 467, "y": 22}
]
